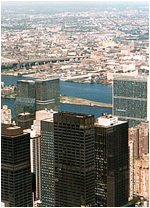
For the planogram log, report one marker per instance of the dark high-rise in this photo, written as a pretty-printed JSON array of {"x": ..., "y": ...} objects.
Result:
[
  {"x": 74, "y": 160},
  {"x": 37, "y": 95},
  {"x": 111, "y": 158},
  {"x": 47, "y": 94},
  {"x": 16, "y": 186},
  {"x": 25, "y": 101},
  {"x": 25, "y": 120}
]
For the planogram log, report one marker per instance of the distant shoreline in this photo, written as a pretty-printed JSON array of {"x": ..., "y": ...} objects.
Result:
[
  {"x": 80, "y": 101},
  {"x": 76, "y": 101}
]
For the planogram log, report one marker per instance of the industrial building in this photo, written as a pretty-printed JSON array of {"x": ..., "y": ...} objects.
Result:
[
  {"x": 74, "y": 160},
  {"x": 130, "y": 98},
  {"x": 111, "y": 162},
  {"x": 16, "y": 185}
]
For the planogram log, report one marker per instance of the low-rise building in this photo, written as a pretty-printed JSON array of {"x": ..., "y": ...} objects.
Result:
[{"x": 5, "y": 115}]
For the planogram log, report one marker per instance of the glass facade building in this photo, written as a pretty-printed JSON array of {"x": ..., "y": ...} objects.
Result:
[
  {"x": 47, "y": 163},
  {"x": 25, "y": 101},
  {"x": 130, "y": 100},
  {"x": 74, "y": 160},
  {"x": 16, "y": 185},
  {"x": 111, "y": 161},
  {"x": 47, "y": 94},
  {"x": 37, "y": 95}
]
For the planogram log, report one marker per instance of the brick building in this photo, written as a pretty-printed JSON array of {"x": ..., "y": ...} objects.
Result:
[{"x": 139, "y": 159}]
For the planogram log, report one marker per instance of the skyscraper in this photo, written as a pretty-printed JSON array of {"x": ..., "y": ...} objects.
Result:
[
  {"x": 139, "y": 160},
  {"x": 47, "y": 163},
  {"x": 25, "y": 101},
  {"x": 35, "y": 162},
  {"x": 41, "y": 154},
  {"x": 74, "y": 159},
  {"x": 47, "y": 94},
  {"x": 130, "y": 101},
  {"x": 16, "y": 186},
  {"x": 111, "y": 161},
  {"x": 37, "y": 95}
]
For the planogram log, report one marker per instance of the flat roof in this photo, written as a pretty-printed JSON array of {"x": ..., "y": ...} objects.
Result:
[
  {"x": 114, "y": 124},
  {"x": 127, "y": 77}
]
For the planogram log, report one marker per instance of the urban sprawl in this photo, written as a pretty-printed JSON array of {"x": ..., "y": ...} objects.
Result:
[{"x": 51, "y": 158}]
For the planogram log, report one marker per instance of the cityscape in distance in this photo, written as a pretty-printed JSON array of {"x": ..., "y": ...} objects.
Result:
[{"x": 74, "y": 104}]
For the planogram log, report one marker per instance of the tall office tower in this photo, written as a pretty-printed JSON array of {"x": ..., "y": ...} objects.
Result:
[
  {"x": 37, "y": 95},
  {"x": 47, "y": 94},
  {"x": 35, "y": 161},
  {"x": 5, "y": 115},
  {"x": 47, "y": 162},
  {"x": 74, "y": 160},
  {"x": 25, "y": 120},
  {"x": 139, "y": 149},
  {"x": 16, "y": 186},
  {"x": 111, "y": 160},
  {"x": 130, "y": 101},
  {"x": 25, "y": 101},
  {"x": 35, "y": 154}
]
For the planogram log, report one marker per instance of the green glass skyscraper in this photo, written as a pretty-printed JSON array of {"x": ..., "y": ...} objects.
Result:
[
  {"x": 37, "y": 95},
  {"x": 130, "y": 98}
]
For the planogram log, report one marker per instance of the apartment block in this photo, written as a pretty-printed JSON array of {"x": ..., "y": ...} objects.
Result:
[{"x": 139, "y": 159}]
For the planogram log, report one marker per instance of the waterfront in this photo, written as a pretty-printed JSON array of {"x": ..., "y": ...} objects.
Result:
[{"x": 94, "y": 92}]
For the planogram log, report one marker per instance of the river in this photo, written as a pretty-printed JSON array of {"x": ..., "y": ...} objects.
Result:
[{"x": 94, "y": 92}]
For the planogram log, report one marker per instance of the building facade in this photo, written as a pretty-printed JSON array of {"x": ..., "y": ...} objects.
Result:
[
  {"x": 35, "y": 158},
  {"x": 39, "y": 164},
  {"x": 25, "y": 101},
  {"x": 47, "y": 94},
  {"x": 139, "y": 160},
  {"x": 47, "y": 163},
  {"x": 111, "y": 161},
  {"x": 141, "y": 176},
  {"x": 25, "y": 120},
  {"x": 74, "y": 160},
  {"x": 130, "y": 98},
  {"x": 37, "y": 95},
  {"x": 5, "y": 115},
  {"x": 16, "y": 185}
]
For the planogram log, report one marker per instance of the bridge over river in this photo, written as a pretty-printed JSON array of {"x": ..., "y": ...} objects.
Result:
[{"x": 34, "y": 62}]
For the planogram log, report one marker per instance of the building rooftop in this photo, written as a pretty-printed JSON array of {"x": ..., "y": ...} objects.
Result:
[
  {"x": 124, "y": 76},
  {"x": 11, "y": 130},
  {"x": 108, "y": 120}
]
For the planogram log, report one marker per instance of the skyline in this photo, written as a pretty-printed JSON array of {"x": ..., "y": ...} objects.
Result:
[{"x": 64, "y": 52}]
